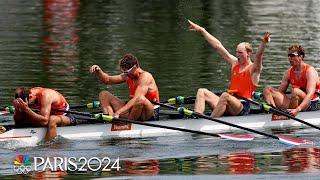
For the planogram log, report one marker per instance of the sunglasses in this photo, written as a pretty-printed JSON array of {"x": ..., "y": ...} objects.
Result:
[
  {"x": 293, "y": 55},
  {"x": 129, "y": 70}
]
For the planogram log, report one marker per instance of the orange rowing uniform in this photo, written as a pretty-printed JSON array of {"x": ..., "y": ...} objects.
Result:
[
  {"x": 61, "y": 105},
  {"x": 301, "y": 83},
  {"x": 241, "y": 82},
  {"x": 151, "y": 95}
]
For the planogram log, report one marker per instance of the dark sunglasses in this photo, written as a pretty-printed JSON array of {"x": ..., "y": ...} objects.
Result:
[{"x": 293, "y": 55}]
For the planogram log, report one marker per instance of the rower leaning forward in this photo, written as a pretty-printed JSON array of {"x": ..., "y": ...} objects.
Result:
[
  {"x": 48, "y": 103},
  {"x": 245, "y": 76},
  {"x": 142, "y": 88}
]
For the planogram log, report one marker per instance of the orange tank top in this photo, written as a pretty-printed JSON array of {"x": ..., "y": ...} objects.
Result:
[
  {"x": 301, "y": 83},
  {"x": 61, "y": 105},
  {"x": 241, "y": 82},
  {"x": 151, "y": 95}
]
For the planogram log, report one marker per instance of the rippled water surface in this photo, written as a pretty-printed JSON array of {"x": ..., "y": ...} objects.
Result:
[{"x": 52, "y": 43}]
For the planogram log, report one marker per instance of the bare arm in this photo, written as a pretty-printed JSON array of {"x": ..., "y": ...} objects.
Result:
[
  {"x": 284, "y": 83},
  {"x": 105, "y": 78},
  {"x": 257, "y": 65},
  {"x": 43, "y": 117},
  {"x": 214, "y": 42},
  {"x": 142, "y": 89},
  {"x": 312, "y": 79},
  {"x": 45, "y": 109}
]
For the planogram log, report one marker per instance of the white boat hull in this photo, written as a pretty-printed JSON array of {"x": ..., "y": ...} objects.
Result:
[{"x": 32, "y": 136}]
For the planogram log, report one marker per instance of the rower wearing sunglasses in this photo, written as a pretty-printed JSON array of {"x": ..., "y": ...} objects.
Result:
[
  {"x": 304, "y": 82},
  {"x": 142, "y": 89}
]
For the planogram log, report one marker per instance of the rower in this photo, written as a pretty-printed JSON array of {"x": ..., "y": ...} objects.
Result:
[
  {"x": 245, "y": 77},
  {"x": 142, "y": 87},
  {"x": 47, "y": 101},
  {"x": 304, "y": 82}
]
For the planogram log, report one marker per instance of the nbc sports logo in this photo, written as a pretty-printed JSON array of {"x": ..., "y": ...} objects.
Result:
[{"x": 22, "y": 164}]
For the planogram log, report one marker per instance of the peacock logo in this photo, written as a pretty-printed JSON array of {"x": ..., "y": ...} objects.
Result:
[{"x": 22, "y": 164}]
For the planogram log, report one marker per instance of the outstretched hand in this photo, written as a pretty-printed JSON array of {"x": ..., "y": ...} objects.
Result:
[
  {"x": 266, "y": 37},
  {"x": 194, "y": 27},
  {"x": 94, "y": 69}
]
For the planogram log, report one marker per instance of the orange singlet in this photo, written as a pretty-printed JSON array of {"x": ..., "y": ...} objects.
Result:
[
  {"x": 61, "y": 105},
  {"x": 151, "y": 95},
  {"x": 301, "y": 83},
  {"x": 241, "y": 82}
]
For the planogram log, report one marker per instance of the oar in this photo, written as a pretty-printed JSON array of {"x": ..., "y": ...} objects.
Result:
[
  {"x": 109, "y": 118},
  {"x": 283, "y": 139},
  {"x": 278, "y": 111},
  {"x": 180, "y": 100},
  {"x": 9, "y": 109},
  {"x": 191, "y": 99},
  {"x": 93, "y": 104}
]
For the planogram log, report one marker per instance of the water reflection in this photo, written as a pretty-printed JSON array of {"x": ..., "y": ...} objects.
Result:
[
  {"x": 145, "y": 167},
  {"x": 234, "y": 163},
  {"x": 48, "y": 175},
  {"x": 242, "y": 163},
  {"x": 294, "y": 160},
  {"x": 300, "y": 160},
  {"x": 60, "y": 49}
]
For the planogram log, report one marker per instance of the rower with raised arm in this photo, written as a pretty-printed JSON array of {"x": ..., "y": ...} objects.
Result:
[
  {"x": 304, "y": 82},
  {"x": 245, "y": 76},
  {"x": 47, "y": 101},
  {"x": 142, "y": 88}
]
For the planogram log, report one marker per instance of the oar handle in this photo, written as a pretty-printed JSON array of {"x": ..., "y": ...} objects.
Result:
[
  {"x": 93, "y": 104},
  {"x": 181, "y": 100},
  {"x": 9, "y": 109},
  {"x": 74, "y": 112},
  {"x": 191, "y": 99}
]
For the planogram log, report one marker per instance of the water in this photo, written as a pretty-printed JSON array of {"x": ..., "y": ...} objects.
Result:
[
  {"x": 181, "y": 155},
  {"x": 53, "y": 43}
]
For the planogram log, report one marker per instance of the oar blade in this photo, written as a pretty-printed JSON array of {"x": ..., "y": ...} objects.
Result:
[
  {"x": 237, "y": 137},
  {"x": 293, "y": 141}
]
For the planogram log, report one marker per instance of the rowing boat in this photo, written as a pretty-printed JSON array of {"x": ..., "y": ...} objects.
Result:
[{"x": 32, "y": 136}]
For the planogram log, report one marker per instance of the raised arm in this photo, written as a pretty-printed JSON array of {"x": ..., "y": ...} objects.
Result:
[
  {"x": 105, "y": 78},
  {"x": 214, "y": 42},
  {"x": 257, "y": 64}
]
